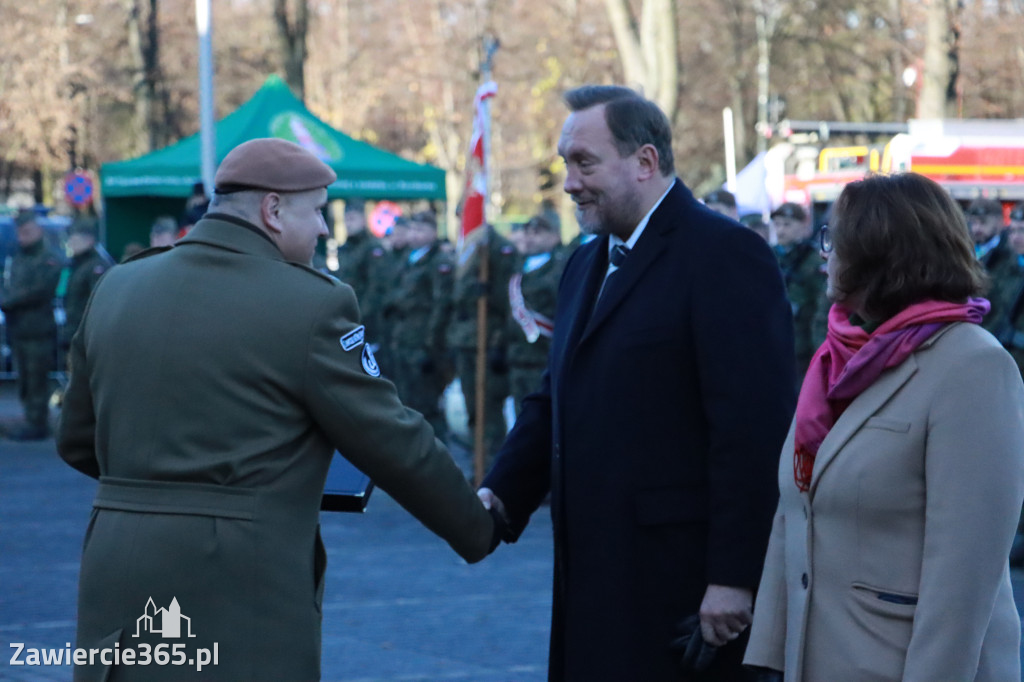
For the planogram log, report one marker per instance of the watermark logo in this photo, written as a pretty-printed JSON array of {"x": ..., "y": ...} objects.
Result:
[
  {"x": 164, "y": 622},
  {"x": 169, "y": 623}
]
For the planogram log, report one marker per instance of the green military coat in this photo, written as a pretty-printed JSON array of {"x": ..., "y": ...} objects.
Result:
[{"x": 212, "y": 384}]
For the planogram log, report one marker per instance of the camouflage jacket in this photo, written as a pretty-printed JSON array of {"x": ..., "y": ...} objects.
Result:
[
  {"x": 28, "y": 291},
  {"x": 466, "y": 290},
  {"x": 805, "y": 280},
  {"x": 419, "y": 305},
  {"x": 539, "y": 290}
]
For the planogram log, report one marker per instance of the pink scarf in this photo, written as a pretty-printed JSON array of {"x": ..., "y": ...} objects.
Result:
[{"x": 851, "y": 359}]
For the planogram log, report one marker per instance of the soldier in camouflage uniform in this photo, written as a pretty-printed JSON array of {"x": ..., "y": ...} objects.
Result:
[
  {"x": 800, "y": 261},
  {"x": 384, "y": 259},
  {"x": 532, "y": 295},
  {"x": 418, "y": 309},
  {"x": 985, "y": 220},
  {"x": 27, "y": 304},
  {"x": 1006, "y": 318},
  {"x": 88, "y": 263},
  {"x": 462, "y": 330},
  {"x": 354, "y": 254}
]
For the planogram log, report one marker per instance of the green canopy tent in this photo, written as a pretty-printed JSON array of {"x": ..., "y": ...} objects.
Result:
[{"x": 138, "y": 190}]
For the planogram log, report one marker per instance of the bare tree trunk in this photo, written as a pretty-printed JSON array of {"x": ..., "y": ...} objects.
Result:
[
  {"x": 292, "y": 38},
  {"x": 648, "y": 51},
  {"x": 940, "y": 80},
  {"x": 143, "y": 47}
]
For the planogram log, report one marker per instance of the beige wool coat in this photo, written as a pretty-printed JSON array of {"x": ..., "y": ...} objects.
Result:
[
  {"x": 893, "y": 566},
  {"x": 211, "y": 385}
]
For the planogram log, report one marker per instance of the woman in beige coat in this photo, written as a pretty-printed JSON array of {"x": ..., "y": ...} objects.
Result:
[{"x": 902, "y": 476}]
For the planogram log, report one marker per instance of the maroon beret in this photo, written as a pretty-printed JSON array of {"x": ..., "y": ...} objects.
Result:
[{"x": 273, "y": 164}]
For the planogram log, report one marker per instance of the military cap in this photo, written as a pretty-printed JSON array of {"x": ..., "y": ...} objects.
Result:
[
  {"x": 790, "y": 210},
  {"x": 721, "y": 196},
  {"x": 84, "y": 225},
  {"x": 541, "y": 222},
  {"x": 272, "y": 164},
  {"x": 25, "y": 215},
  {"x": 1018, "y": 212},
  {"x": 985, "y": 207}
]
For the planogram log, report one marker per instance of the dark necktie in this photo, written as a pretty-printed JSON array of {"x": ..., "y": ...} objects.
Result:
[
  {"x": 618, "y": 255},
  {"x": 617, "y": 258}
]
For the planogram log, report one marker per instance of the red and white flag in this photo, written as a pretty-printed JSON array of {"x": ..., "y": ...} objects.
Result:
[{"x": 475, "y": 193}]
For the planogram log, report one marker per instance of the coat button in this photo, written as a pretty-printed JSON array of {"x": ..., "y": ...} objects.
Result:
[{"x": 803, "y": 580}]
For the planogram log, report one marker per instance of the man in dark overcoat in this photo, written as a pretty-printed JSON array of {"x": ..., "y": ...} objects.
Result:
[
  {"x": 212, "y": 382},
  {"x": 661, "y": 415}
]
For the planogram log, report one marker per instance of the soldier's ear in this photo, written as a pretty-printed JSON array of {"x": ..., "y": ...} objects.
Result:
[{"x": 270, "y": 212}]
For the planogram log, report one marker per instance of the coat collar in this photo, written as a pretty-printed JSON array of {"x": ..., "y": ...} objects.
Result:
[
  {"x": 865, "y": 406},
  {"x": 231, "y": 233},
  {"x": 648, "y": 249}
]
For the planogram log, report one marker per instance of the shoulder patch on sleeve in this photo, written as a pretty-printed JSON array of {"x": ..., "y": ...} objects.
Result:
[
  {"x": 444, "y": 268},
  {"x": 353, "y": 339},
  {"x": 370, "y": 365},
  {"x": 508, "y": 249}
]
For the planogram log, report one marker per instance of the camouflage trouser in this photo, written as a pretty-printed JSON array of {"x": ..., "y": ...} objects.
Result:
[
  {"x": 523, "y": 380},
  {"x": 421, "y": 390},
  {"x": 494, "y": 402},
  {"x": 33, "y": 360}
]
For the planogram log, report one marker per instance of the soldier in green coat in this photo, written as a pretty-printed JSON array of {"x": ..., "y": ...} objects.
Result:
[
  {"x": 532, "y": 293},
  {"x": 27, "y": 303},
  {"x": 88, "y": 263},
  {"x": 801, "y": 264},
  {"x": 417, "y": 311},
  {"x": 213, "y": 382},
  {"x": 462, "y": 330}
]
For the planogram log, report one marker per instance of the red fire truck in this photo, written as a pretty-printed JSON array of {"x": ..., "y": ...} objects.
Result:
[{"x": 970, "y": 158}]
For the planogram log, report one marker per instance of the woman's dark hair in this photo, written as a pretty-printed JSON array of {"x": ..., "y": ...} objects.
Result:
[
  {"x": 632, "y": 120},
  {"x": 901, "y": 239}
]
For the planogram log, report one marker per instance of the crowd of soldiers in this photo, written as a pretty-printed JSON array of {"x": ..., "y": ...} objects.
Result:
[
  {"x": 43, "y": 299},
  {"x": 999, "y": 247},
  {"x": 419, "y": 300}
]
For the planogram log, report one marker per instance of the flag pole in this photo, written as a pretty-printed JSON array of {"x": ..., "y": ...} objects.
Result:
[{"x": 490, "y": 45}]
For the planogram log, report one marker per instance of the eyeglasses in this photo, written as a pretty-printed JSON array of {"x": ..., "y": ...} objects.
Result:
[{"x": 825, "y": 237}]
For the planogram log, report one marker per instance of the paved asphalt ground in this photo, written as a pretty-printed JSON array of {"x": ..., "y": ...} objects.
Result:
[{"x": 399, "y": 604}]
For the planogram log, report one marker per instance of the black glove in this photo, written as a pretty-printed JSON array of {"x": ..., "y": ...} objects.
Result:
[
  {"x": 428, "y": 366},
  {"x": 693, "y": 654},
  {"x": 497, "y": 362},
  {"x": 500, "y": 529}
]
